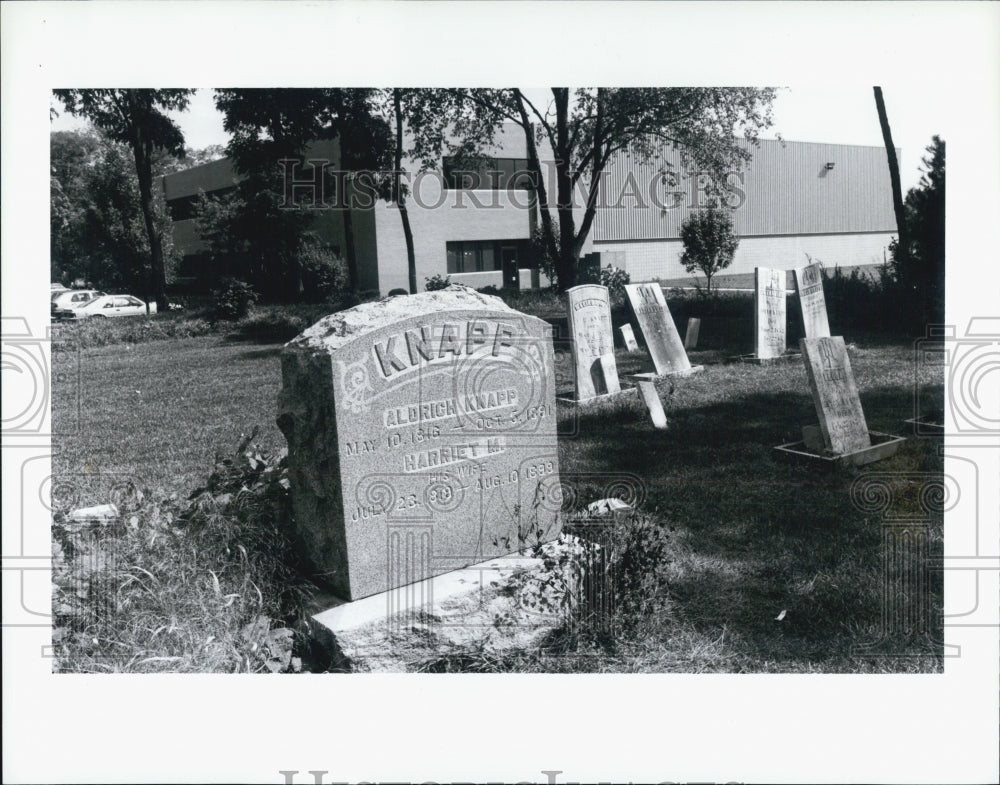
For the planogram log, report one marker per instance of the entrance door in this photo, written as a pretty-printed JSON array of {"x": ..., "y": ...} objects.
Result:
[{"x": 508, "y": 259}]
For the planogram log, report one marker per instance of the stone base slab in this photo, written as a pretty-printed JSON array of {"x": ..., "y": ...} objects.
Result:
[
  {"x": 477, "y": 608},
  {"x": 884, "y": 445},
  {"x": 753, "y": 359},
  {"x": 924, "y": 426}
]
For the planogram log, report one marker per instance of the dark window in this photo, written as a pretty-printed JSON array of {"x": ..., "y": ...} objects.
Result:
[
  {"x": 474, "y": 256},
  {"x": 489, "y": 174}
]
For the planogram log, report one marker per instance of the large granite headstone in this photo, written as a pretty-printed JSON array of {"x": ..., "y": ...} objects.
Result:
[
  {"x": 422, "y": 438},
  {"x": 809, "y": 285},
  {"x": 658, "y": 328},
  {"x": 835, "y": 394},
  {"x": 589, "y": 311},
  {"x": 769, "y": 313}
]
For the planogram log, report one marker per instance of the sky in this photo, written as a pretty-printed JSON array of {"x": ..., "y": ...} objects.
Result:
[{"x": 832, "y": 114}]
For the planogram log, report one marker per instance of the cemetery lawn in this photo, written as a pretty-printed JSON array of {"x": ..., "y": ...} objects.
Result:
[{"x": 750, "y": 539}]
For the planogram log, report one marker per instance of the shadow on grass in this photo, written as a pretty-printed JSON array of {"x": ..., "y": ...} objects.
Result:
[{"x": 260, "y": 354}]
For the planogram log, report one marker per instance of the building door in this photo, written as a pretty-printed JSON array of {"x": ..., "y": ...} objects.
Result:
[{"x": 508, "y": 259}]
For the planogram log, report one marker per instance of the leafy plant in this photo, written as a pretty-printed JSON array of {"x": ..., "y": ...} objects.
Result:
[
  {"x": 709, "y": 243},
  {"x": 615, "y": 278},
  {"x": 233, "y": 300},
  {"x": 436, "y": 283}
]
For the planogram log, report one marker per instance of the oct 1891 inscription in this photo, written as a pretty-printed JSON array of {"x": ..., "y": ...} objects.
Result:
[
  {"x": 422, "y": 437},
  {"x": 835, "y": 394}
]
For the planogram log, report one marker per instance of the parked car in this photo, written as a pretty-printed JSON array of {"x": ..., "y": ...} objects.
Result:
[
  {"x": 108, "y": 305},
  {"x": 72, "y": 298}
]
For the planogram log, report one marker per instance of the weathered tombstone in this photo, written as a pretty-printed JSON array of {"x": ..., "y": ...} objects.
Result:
[
  {"x": 647, "y": 388},
  {"x": 809, "y": 285},
  {"x": 628, "y": 337},
  {"x": 691, "y": 336},
  {"x": 422, "y": 438},
  {"x": 835, "y": 395},
  {"x": 769, "y": 313},
  {"x": 658, "y": 329},
  {"x": 589, "y": 311}
]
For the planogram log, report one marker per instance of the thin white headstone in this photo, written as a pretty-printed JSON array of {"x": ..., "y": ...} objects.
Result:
[
  {"x": 809, "y": 285},
  {"x": 652, "y": 399},
  {"x": 691, "y": 336},
  {"x": 835, "y": 394},
  {"x": 769, "y": 313},
  {"x": 628, "y": 337},
  {"x": 657, "y": 325},
  {"x": 589, "y": 312}
]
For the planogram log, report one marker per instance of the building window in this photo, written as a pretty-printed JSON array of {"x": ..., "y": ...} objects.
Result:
[
  {"x": 486, "y": 174},
  {"x": 477, "y": 256}
]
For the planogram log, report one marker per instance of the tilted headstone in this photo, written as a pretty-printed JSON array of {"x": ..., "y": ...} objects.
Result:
[
  {"x": 647, "y": 389},
  {"x": 589, "y": 311},
  {"x": 809, "y": 285},
  {"x": 691, "y": 336},
  {"x": 835, "y": 395},
  {"x": 422, "y": 437},
  {"x": 628, "y": 337},
  {"x": 658, "y": 328},
  {"x": 769, "y": 313}
]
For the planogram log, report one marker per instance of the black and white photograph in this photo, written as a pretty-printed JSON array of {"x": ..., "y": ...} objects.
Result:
[{"x": 367, "y": 380}]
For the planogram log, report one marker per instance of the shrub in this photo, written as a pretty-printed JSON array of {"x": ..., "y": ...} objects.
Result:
[
  {"x": 436, "y": 282},
  {"x": 232, "y": 300},
  {"x": 324, "y": 273},
  {"x": 615, "y": 278},
  {"x": 709, "y": 243}
]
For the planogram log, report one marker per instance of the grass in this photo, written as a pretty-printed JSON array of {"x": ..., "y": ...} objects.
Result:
[{"x": 748, "y": 537}]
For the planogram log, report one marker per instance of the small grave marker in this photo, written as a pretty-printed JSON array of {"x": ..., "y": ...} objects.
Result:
[
  {"x": 628, "y": 338},
  {"x": 589, "y": 312},
  {"x": 769, "y": 313},
  {"x": 835, "y": 395},
  {"x": 691, "y": 336},
  {"x": 658, "y": 329},
  {"x": 809, "y": 285}
]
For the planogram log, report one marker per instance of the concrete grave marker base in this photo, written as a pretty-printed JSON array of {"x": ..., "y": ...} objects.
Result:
[
  {"x": 393, "y": 631},
  {"x": 753, "y": 359},
  {"x": 926, "y": 425},
  {"x": 884, "y": 445}
]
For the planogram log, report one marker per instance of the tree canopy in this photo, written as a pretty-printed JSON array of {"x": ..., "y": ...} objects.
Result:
[{"x": 137, "y": 118}]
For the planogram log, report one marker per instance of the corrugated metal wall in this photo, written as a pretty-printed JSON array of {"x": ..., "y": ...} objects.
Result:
[{"x": 787, "y": 190}]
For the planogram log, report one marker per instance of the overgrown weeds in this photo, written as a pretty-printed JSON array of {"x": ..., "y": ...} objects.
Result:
[{"x": 203, "y": 584}]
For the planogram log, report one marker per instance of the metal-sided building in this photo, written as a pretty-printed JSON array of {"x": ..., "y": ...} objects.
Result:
[{"x": 792, "y": 200}]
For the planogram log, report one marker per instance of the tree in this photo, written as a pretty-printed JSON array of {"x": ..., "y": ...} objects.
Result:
[
  {"x": 897, "y": 192},
  {"x": 98, "y": 232},
  {"x": 587, "y": 127},
  {"x": 268, "y": 126},
  {"x": 709, "y": 243},
  {"x": 919, "y": 265},
  {"x": 136, "y": 117}
]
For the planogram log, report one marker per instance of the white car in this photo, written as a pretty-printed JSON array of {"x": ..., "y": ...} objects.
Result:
[
  {"x": 108, "y": 305},
  {"x": 69, "y": 299}
]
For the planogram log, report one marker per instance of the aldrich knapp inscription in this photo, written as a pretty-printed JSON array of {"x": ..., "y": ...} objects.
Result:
[
  {"x": 809, "y": 285},
  {"x": 835, "y": 394},
  {"x": 422, "y": 437},
  {"x": 769, "y": 313},
  {"x": 658, "y": 328}
]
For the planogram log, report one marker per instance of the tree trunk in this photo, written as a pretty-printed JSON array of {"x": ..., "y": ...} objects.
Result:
[
  {"x": 157, "y": 270},
  {"x": 397, "y": 192},
  {"x": 903, "y": 253},
  {"x": 566, "y": 263}
]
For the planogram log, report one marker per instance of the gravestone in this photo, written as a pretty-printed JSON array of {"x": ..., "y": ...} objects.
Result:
[
  {"x": 421, "y": 438},
  {"x": 769, "y": 313},
  {"x": 809, "y": 285},
  {"x": 647, "y": 389},
  {"x": 835, "y": 395},
  {"x": 658, "y": 329},
  {"x": 691, "y": 336},
  {"x": 628, "y": 337},
  {"x": 589, "y": 312}
]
